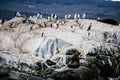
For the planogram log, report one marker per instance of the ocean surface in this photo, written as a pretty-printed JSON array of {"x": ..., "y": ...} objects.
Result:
[{"x": 92, "y": 9}]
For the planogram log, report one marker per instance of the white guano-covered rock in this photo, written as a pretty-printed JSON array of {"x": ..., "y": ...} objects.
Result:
[
  {"x": 6, "y": 42},
  {"x": 31, "y": 45}
]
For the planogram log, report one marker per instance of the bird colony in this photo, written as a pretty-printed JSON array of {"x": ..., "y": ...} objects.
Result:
[{"x": 37, "y": 39}]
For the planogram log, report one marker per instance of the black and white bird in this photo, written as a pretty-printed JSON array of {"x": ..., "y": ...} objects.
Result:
[
  {"x": 12, "y": 25},
  {"x": 84, "y": 16},
  {"x": 75, "y": 16},
  {"x": 69, "y": 16},
  {"x": 89, "y": 28},
  {"x": 18, "y": 14}
]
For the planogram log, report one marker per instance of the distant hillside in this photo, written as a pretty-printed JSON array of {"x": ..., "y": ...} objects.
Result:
[{"x": 53, "y": 1}]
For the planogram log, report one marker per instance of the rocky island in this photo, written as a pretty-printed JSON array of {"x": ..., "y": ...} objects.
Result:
[{"x": 73, "y": 48}]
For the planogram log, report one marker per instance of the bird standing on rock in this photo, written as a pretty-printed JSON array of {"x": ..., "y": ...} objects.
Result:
[
  {"x": 69, "y": 16},
  {"x": 89, "y": 28},
  {"x": 75, "y": 16},
  {"x": 43, "y": 33},
  {"x": 84, "y": 16},
  {"x": 66, "y": 17},
  {"x": 81, "y": 25},
  {"x": 18, "y": 14},
  {"x": 3, "y": 20},
  {"x": 52, "y": 16},
  {"x": 78, "y": 16},
  {"x": 39, "y": 16}
]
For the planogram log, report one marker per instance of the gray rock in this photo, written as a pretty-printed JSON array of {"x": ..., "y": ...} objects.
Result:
[
  {"x": 35, "y": 78},
  {"x": 82, "y": 73},
  {"x": 50, "y": 79},
  {"x": 50, "y": 47},
  {"x": 50, "y": 63},
  {"x": 2, "y": 61},
  {"x": 110, "y": 37}
]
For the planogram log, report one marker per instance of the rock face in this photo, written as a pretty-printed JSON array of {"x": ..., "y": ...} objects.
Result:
[
  {"x": 39, "y": 51},
  {"x": 50, "y": 47}
]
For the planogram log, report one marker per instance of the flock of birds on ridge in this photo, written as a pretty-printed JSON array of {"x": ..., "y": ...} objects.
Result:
[{"x": 51, "y": 21}]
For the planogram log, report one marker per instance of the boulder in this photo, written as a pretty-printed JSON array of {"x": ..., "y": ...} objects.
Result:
[
  {"x": 50, "y": 47},
  {"x": 82, "y": 73},
  {"x": 109, "y": 21}
]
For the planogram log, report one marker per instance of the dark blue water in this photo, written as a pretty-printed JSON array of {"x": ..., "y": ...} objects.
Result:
[{"x": 93, "y": 8}]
